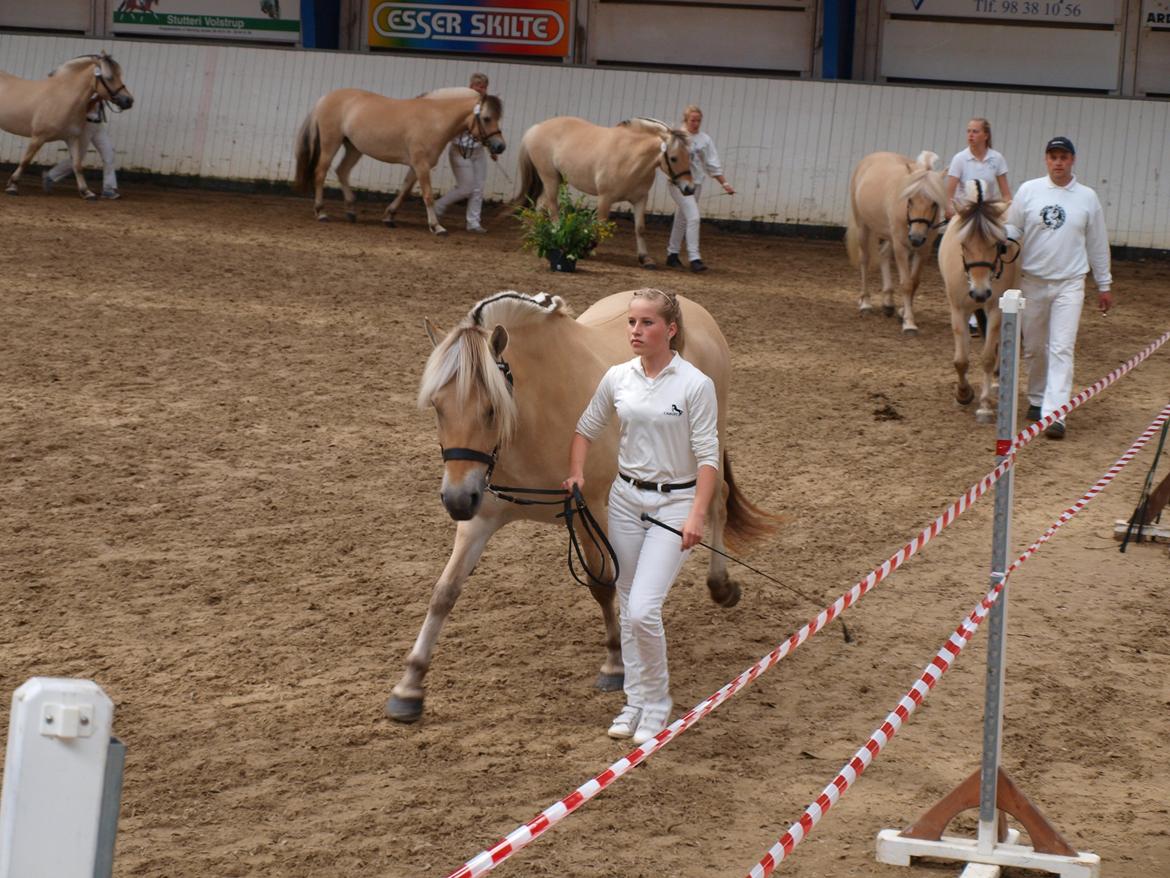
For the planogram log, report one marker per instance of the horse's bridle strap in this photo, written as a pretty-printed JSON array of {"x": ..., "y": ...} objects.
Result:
[{"x": 469, "y": 454}]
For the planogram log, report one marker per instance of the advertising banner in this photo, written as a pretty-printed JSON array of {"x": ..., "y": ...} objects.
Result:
[
  {"x": 1011, "y": 11},
  {"x": 1156, "y": 14},
  {"x": 257, "y": 20},
  {"x": 497, "y": 27}
]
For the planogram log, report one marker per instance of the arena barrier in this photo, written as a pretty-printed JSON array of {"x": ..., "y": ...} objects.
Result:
[
  {"x": 523, "y": 835},
  {"x": 938, "y": 666}
]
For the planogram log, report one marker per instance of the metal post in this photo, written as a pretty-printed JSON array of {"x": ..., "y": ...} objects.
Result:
[{"x": 1009, "y": 346}]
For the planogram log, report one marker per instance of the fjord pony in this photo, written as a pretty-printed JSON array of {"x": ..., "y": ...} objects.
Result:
[
  {"x": 978, "y": 263},
  {"x": 896, "y": 206},
  {"x": 615, "y": 164},
  {"x": 508, "y": 384},
  {"x": 407, "y": 132},
  {"x": 45, "y": 110}
]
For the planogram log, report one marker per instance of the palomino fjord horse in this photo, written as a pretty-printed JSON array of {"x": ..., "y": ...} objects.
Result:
[
  {"x": 896, "y": 206},
  {"x": 406, "y": 132},
  {"x": 978, "y": 263},
  {"x": 508, "y": 384},
  {"x": 44, "y": 110},
  {"x": 615, "y": 164}
]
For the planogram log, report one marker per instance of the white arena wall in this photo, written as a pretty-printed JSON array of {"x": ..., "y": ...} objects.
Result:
[{"x": 231, "y": 113}]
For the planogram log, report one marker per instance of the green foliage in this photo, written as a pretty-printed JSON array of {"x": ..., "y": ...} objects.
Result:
[{"x": 575, "y": 232}]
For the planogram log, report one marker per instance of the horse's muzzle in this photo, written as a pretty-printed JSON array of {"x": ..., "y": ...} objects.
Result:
[
  {"x": 980, "y": 295},
  {"x": 125, "y": 102},
  {"x": 496, "y": 145},
  {"x": 686, "y": 188},
  {"x": 917, "y": 240}
]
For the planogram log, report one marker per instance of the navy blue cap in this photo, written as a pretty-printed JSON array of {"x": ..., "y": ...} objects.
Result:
[{"x": 1061, "y": 143}]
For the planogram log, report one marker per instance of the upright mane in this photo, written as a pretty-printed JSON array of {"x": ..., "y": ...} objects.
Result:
[
  {"x": 979, "y": 215},
  {"x": 465, "y": 355},
  {"x": 80, "y": 60},
  {"x": 655, "y": 126},
  {"x": 924, "y": 180}
]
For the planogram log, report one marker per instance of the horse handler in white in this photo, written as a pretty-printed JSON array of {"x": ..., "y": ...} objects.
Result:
[
  {"x": 704, "y": 160},
  {"x": 1064, "y": 236},
  {"x": 95, "y": 133},
  {"x": 469, "y": 165},
  {"x": 668, "y": 466}
]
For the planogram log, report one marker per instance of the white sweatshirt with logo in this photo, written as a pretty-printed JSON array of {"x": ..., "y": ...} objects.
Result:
[{"x": 1063, "y": 231}]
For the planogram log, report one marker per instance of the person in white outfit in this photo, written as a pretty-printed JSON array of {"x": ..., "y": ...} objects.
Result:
[
  {"x": 668, "y": 460},
  {"x": 977, "y": 162},
  {"x": 1063, "y": 237},
  {"x": 704, "y": 161},
  {"x": 95, "y": 133},
  {"x": 469, "y": 164}
]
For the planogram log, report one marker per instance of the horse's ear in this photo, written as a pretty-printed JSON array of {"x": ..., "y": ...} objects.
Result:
[
  {"x": 432, "y": 332},
  {"x": 499, "y": 341}
]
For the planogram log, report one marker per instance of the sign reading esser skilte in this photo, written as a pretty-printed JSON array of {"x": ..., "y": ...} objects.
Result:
[{"x": 510, "y": 27}]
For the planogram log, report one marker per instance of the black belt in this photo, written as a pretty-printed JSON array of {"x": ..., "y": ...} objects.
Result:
[{"x": 663, "y": 488}]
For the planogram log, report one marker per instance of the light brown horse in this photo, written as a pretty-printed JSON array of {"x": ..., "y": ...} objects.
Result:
[
  {"x": 407, "y": 132},
  {"x": 978, "y": 262},
  {"x": 508, "y": 384},
  {"x": 896, "y": 206},
  {"x": 44, "y": 110},
  {"x": 615, "y": 164}
]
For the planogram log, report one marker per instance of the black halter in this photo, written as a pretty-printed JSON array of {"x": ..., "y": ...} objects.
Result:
[
  {"x": 926, "y": 221},
  {"x": 666, "y": 168},
  {"x": 996, "y": 267},
  {"x": 573, "y": 504}
]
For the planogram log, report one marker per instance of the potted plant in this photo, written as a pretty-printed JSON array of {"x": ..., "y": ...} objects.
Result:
[{"x": 571, "y": 236}]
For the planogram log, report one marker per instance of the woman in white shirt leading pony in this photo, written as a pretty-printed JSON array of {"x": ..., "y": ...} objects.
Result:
[
  {"x": 977, "y": 162},
  {"x": 668, "y": 467},
  {"x": 704, "y": 161}
]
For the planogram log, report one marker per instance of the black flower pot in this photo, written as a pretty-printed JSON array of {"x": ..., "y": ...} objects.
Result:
[{"x": 558, "y": 261}]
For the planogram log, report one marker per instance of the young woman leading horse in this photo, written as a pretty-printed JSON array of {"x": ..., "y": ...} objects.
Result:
[
  {"x": 44, "y": 110},
  {"x": 407, "y": 132},
  {"x": 507, "y": 384}
]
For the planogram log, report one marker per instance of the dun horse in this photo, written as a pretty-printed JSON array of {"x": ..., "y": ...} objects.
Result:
[
  {"x": 896, "y": 206},
  {"x": 615, "y": 164},
  {"x": 508, "y": 384},
  {"x": 45, "y": 110},
  {"x": 407, "y": 132},
  {"x": 977, "y": 262}
]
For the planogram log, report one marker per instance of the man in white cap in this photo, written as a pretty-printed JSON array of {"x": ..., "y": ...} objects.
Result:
[{"x": 1061, "y": 229}]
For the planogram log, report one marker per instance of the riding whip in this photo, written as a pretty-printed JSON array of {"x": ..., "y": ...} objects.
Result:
[{"x": 646, "y": 516}]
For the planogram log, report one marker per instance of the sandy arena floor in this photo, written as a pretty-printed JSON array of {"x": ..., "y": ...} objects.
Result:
[{"x": 219, "y": 501}]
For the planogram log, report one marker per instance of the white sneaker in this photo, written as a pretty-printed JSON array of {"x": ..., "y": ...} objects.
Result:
[
  {"x": 626, "y": 722},
  {"x": 652, "y": 722}
]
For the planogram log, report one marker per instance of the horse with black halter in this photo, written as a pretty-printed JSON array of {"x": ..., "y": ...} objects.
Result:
[
  {"x": 978, "y": 263},
  {"x": 508, "y": 384},
  {"x": 406, "y": 132},
  {"x": 615, "y": 164},
  {"x": 896, "y": 207},
  {"x": 44, "y": 110}
]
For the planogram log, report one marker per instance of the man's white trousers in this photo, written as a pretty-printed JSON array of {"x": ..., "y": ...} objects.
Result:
[{"x": 1049, "y": 324}]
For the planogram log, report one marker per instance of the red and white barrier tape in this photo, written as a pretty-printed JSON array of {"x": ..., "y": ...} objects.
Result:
[
  {"x": 931, "y": 675},
  {"x": 486, "y": 860}
]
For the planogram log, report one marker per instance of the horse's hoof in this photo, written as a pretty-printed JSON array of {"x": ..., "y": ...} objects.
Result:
[
  {"x": 440, "y": 231},
  {"x": 909, "y": 332},
  {"x": 351, "y": 216},
  {"x": 610, "y": 682},
  {"x": 888, "y": 310},
  {"x": 322, "y": 218},
  {"x": 650, "y": 265},
  {"x": 727, "y": 595},
  {"x": 89, "y": 195},
  {"x": 388, "y": 223},
  {"x": 12, "y": 190},
  {"x": 964, "y": 398},
  {"x": 984, "y": 416},
  {"x": 865, "y": 311},
  {"x": 404, "y": 710}
]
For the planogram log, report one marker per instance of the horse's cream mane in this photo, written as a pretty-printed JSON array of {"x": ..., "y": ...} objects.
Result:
[
  {"x": 105, "y": 60},
  {"x": 655, "y": 126},
  {"x": 978, "y": 215},
  {"x": 465, "y": 355},
  {"x": 925, "y": 181}
]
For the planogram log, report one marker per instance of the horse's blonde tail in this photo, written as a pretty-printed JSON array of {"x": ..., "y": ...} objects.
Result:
[
  {"x": 853, "y": 235},
  {"x": 745, "y": 521},
  {"x": 308, "y": 151},
  {"x": 531, "y": 186}
]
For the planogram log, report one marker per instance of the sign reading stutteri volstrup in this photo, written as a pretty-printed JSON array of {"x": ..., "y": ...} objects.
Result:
[{"x": 263, "y": 20}]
